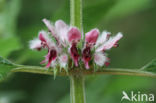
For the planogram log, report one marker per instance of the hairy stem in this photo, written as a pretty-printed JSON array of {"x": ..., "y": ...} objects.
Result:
[
  {"x": 76, "y": 13},
  {"x": 77, "y": 92},
  {"x": 109, "y": 71}
]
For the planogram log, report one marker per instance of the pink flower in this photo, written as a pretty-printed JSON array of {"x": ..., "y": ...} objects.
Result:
[
  {"x": 44, "y": 38},
  {"x": 50, "y": 27},
  {"x": 92, "y": 36},
  {"x": 112, "y": 41},
  {"x": 105, "y": 44},
  {"x": 61, "y": 30},
  {"x": 100, "y": 58},
  {"x": 102, "y": 38},
  {"x": 52, "y": 54},
  {"x": 86, "y": 56},
  {"x": 68, "y": 38},
  {"x": 74, "y": 36},
  {"x": 46, "y": 42},
  {"x": 90, "y": 40}
]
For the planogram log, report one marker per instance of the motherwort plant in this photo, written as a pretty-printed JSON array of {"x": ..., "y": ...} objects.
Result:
[
  {"x": 64, "y": 42},
  {"x": 74, "y": 53}
]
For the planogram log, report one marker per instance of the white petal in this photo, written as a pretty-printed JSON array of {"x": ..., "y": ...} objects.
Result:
[
  {"x": 49, "y": 26},
  {"x": 102, "y": 38},
  {"x": 63, "y": 60},
  {"x": 99, "y": 58},
  {"x": 110, "y": 43},
  {"x": 62, "y": 30},
  {"x": 59, "y": 24},
  {"x": 99, "y": 49},
  {"x": 35, "y": 44}
]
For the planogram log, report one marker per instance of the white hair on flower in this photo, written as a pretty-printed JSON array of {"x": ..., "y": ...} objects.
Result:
[
  {"x": 100, "y": 58},
  {"x": 70, "y": 38},
  {"x": 49, "y": 25},
  {"x": 102, "y": 38},
  {"x": 35, "y": 44},
  {"x": 110, "y": 43},
  {"x": 53, "y": 63},
  {"x": 63, "y": 60},
  {"x": 61, "y": 30},
  {"x": 45, "y": 37}
]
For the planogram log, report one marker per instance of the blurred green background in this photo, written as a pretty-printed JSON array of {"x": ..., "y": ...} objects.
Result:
[{"x": 20, "y": 21}]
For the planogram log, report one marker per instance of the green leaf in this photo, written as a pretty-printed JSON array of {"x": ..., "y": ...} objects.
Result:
[
  {"x": 6, "y": 62},
  {"x": 5, "y": 67}
]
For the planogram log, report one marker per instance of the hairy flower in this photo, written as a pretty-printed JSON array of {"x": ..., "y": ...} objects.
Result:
[
  {"x": 35, "y": 44},
  {"x": 90, "y": 40},
  {"x": 74, "y": 36},
  {"x": 63, "y": 60},
  {"x": 100, "y": 58},
  {"x": 62, "y": 42}
]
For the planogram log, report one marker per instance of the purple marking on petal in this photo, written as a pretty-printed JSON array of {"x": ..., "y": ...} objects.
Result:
[
  {"x": 87, "y": 65},
  {"x": 41, "y": 37},
  {"x": 74, "y": 54},
  {"x": 74, "y": 35},
  {"x": 107, "y": 63},
  {"x": 44, "y": 39},
  {"x": 112, "y": 42},
  {"x": 86, "y": 55},
  {"x": 52, "y": 54},
  {"x": 92, "y": 36}
]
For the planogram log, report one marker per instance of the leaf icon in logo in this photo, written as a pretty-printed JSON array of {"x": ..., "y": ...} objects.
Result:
[{"x": 125, "y": 96}]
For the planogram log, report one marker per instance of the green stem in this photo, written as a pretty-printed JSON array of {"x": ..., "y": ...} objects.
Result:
[
  {"x": 76, "y": 13},
  {"x": 77, "y": 92},
  {"x": 108, "y": 71}
]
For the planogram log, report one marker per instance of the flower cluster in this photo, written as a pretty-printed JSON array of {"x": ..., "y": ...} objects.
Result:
[{"x": 62, "y": 42}]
